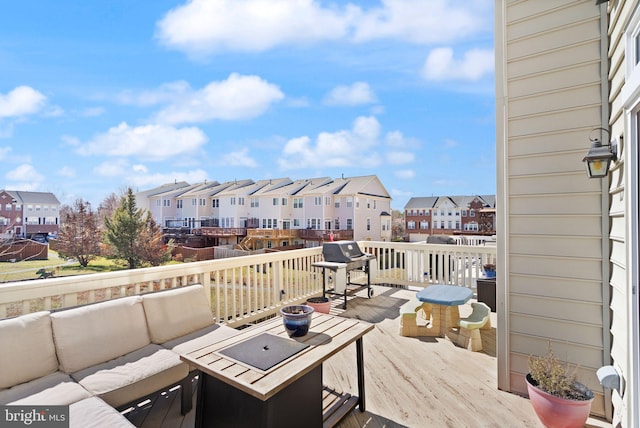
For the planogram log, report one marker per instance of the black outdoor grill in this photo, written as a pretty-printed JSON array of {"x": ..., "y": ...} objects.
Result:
[{"x": 342, "y": 258}]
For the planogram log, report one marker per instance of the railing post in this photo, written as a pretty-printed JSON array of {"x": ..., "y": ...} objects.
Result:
[{"x": 277, "y": 272}]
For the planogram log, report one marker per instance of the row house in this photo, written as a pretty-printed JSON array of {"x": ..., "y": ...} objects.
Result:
[
  {"x": 450, "y": 215},
  {"x": 28, "y": 214},
  {"x": 317, "y": 209}
]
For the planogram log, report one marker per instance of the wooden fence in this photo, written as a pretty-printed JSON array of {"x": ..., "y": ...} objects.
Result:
[{"x": 23, "y": 249}]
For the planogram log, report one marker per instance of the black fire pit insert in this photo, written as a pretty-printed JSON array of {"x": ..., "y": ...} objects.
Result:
[{"x": 264, "y": 351}]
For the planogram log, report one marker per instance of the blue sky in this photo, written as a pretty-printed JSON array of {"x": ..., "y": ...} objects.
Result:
[{"x": 102, "y": 95}]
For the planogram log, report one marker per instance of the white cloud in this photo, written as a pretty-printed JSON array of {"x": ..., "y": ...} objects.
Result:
[
  {"x": 21, "y": 101},
  {"x": 140, "y": 169},
  {"x": 112, "y": 168},
  {"x": 441, "y": 65},
  {"x": 450, "y": 144},
  {"x": 92, "y": 112},
  {"x": 151, "y": 142},
  {"x": 163, "y": 94},
  {"x": 345, "y": 148},
  {"x": 152, "y": 180},
  {"x": 239, "y": 158},
  {"x": 405, "y": 174},
  {"x": 4, "y": 152},
  {"x": 237, "y": 97},
  {"x": 356, "y": 94},
  {"x": 398, "y": 158},
  {"x": 203, "y": 27},
  {"x": 423, "y": 22},
  {"x": 25, "y": 173},
  {"x": 66, "y": 171}
]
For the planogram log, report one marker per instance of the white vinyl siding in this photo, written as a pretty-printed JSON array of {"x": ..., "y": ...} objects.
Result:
[{"x": 549, "y": 276}]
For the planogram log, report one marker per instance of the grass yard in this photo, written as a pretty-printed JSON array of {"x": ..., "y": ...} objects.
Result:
[{"x": 27, "y": 269}]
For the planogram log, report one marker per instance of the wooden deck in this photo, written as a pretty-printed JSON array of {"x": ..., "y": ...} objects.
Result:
[{"x": 410, "y": 382}]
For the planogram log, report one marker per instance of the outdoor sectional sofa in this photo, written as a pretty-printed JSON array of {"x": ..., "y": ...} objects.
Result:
[{"x": 100, "y": 358}]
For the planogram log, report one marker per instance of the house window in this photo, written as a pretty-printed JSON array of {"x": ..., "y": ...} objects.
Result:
[
  {"x": 374, "y": 204},
  {"x": 472, "y": 213},
  {"x": 349, "y": 224},
  {"x": 337, "y": 204},
  {"x": 327, "y": 200},
  {"x": 233, "y": 200},
  {"x": 167, "y": 202},
  {"x": 336, "y": 223},
  {"x": 203, "y": 202},
  {"x": 158, "y": 202},
  {"x": 194, "y": 202},
  {"x": 411, "y": 225},
  {"x": 255, "y": 202},
  {"x": 296, "y": 222},
  {"x": 349, "y": 202},
  {"x": 317, "y": 200},
  {"x": 424, "y": 225},
  {"x": 240, "y": 201},
  {"x": 276, "y": 201},
  {"x": 179, "y": 203},
  {"x": 215, "y": 203},
  {"x": 327, "y": 224},
  {"x": 284, "y": 201},
  {"x": 368, "y": 224},
  {"x": 297, "y": 203},
  {"x": 464, "y": 213}
]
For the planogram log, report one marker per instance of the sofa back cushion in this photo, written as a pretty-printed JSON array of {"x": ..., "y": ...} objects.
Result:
[
  {"x": 92, "y": 334},
  {"x": 176, "y": 312},
  {"x": 27, "y": 351}
]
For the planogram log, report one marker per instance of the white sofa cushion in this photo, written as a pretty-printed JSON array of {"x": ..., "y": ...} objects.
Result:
[
  {"x": 92, "y": 334},
  {"x": 27, "y": 350},
  {"x": 56, "y": 389},
  {"x": 95, "y": 413},
  {"x": 176, "y": 312},
  {"x": 137, "y": 374}
]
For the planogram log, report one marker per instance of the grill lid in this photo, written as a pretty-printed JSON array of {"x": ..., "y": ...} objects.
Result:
[{"x": 341, "y": 251}]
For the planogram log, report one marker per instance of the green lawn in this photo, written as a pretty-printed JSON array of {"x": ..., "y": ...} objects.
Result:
[{"x": 27, "y": 269}]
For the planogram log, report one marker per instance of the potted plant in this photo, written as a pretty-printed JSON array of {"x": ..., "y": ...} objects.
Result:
[
  {"x": 489, "y": 270},
  {"x": 557, "y": 397},
  {"x": 319, "y": 304}
]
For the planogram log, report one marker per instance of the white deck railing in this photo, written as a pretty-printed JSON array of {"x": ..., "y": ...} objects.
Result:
[{"x": 245, "y": 289}]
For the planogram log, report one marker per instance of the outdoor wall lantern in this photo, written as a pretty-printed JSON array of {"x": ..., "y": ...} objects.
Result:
[{"x": 599, "y": 156}]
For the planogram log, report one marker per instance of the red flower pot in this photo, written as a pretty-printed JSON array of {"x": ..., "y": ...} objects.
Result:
[
  {"x": 556, "y": 412},
  {"x": 320, "y": 304}
]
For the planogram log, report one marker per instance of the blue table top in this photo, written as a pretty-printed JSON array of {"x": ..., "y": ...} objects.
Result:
[{"x": 446, "y": 295}]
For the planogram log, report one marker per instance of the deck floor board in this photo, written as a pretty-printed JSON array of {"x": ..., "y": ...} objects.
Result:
[{"x": 410, "y": 381}]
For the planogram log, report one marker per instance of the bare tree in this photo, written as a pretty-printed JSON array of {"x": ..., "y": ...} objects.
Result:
[
  {"x": 79, "y": 236},
  {"x": 108, "y": 206}
]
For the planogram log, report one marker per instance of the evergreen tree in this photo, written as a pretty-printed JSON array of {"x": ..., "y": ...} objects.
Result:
[{"x": 124, "y": 229}]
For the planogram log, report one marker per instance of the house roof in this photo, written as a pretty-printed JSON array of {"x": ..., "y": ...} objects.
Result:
[
  {"x": 421, "y": 202},
  {"x": 34, "y": 197},
  {"x": 161, "y": 189},
  {"x": 460, "y": 201},
  {"x": 367, "y": 185}
]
